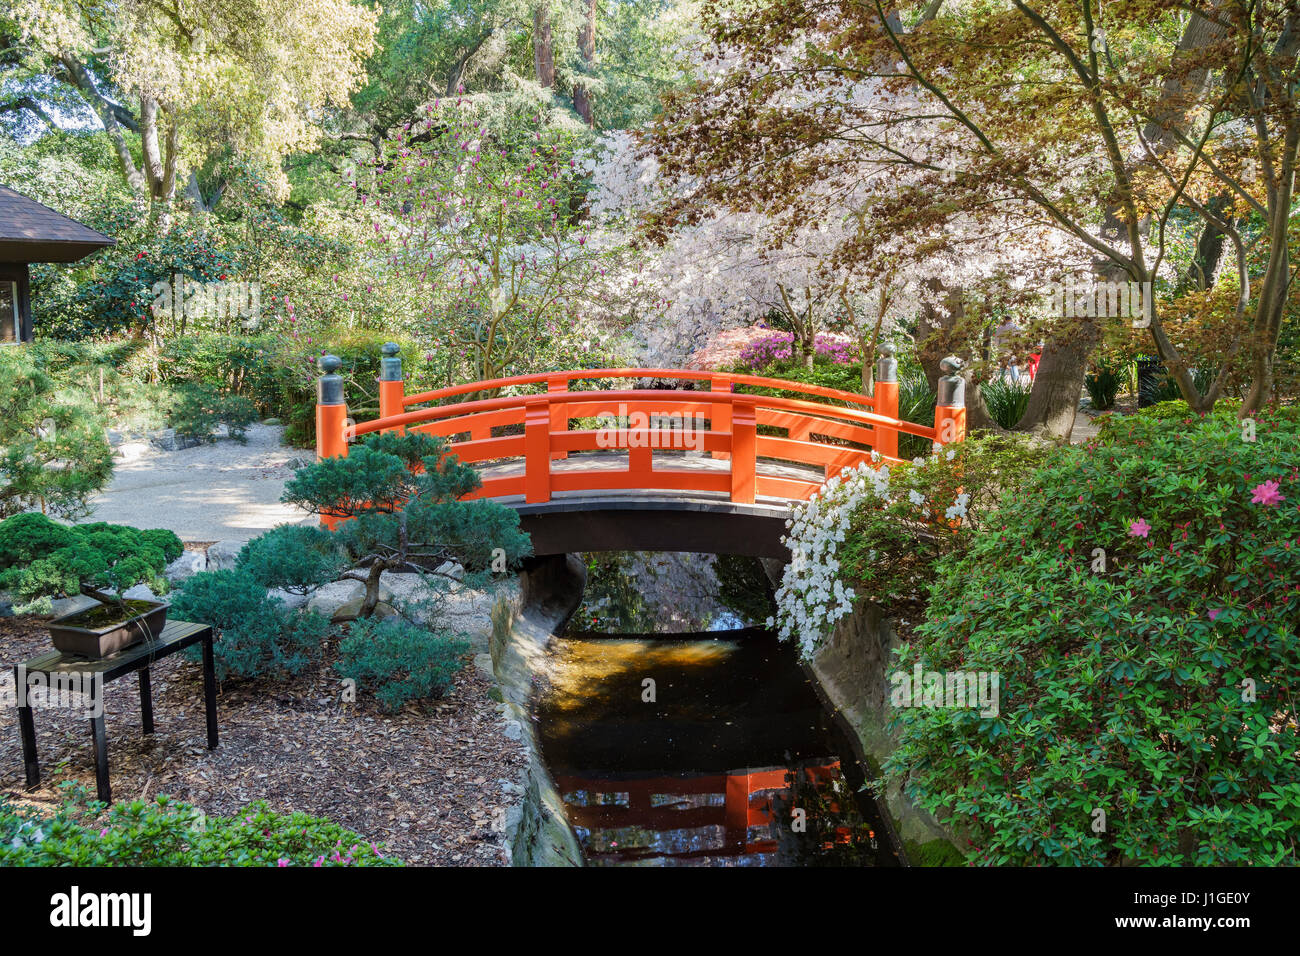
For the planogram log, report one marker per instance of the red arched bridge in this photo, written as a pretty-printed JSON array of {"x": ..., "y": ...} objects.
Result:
[{"x": 593, "y": 466}]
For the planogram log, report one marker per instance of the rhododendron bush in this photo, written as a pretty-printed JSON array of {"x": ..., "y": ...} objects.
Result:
[{"x": 1140, "y": 599}]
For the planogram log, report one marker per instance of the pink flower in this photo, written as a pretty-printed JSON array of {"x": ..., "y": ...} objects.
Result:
[
  {"x": 1267, "y": 494},
  {"x": 283, "y": 861},
  {"x": 1215, "y": 612},
  {"x": 1139, "y": 529}
]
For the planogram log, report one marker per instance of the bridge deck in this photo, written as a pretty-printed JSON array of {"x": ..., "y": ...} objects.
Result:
[
  {"x": 654, "y": 520},
  {"x": 615, "y": 460}
]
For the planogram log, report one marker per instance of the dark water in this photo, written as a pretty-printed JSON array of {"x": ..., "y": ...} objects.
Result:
[{"x": 702, "y": 749}]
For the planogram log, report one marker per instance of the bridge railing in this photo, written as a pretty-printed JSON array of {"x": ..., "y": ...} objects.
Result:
[{"x": 807, "y": 438}]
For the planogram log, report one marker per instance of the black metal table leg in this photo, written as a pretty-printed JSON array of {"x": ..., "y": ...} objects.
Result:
[
  {"x": 146, "y": 701},
  {"x": 210, "y": 689},
  {"x": 26, "y": 728},
  {"x": 101, "y": 757}
]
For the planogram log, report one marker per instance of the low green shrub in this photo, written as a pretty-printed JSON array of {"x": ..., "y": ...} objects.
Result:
[
  {"x": 166, "y": 832},
  {"x": 196, "y": 412},
  {"x": 915, "y": 404},
  {"x": 39, "y": 557},
  {"x": 1162, "y": 387},
  {"x": 398, "y": 662},
  {"x": 294, "y": 558},
  {"x": 892, "y": 545},
  {"x": 1139, "y": 601},
  {"x": 256, "y": 635}
]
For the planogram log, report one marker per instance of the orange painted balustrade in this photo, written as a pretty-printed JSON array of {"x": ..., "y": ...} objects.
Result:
[{"x": 809, "y": 433}]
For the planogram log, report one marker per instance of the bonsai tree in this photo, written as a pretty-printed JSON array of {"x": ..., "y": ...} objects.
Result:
[
  {"x": 402, "y": 494},
  {"x": 41, "y": 558}
]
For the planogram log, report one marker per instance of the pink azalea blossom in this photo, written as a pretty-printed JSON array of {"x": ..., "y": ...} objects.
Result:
[
  {"x": 1266, "y": 493},
  {"x": 1139, "y": 529}
]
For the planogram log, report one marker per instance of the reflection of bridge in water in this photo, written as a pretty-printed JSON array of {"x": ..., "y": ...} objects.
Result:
[
  {"x": 712, "y": 770},
  {"x": 692, "y": 818},
  {"x": 711, "y": 466}
]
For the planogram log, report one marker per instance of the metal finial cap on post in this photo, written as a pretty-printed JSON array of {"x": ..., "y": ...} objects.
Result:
[
  {"x": 952, "y": 387},
  {"x": 390, "y": 366},
  {"x": 329, "y": 387},
  {"x": 887, "y": 365}
]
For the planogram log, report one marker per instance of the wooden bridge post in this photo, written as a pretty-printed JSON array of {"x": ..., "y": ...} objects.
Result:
[
  {"x": 886, "y": 396},
  {"x": 537, "y": 449},
  {"x": 950, "y": 407},
  {"x": 744, "y": 448},
  {"x": 332, "y": 425},
  {"x": 559, "y": 413},
  {"x": 392, "y": 387},
  {"x": 720, "y": 418}
]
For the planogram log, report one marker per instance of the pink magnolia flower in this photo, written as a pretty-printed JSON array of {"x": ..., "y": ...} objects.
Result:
[
  {"x": 1139, "y": 529},
  {"x": 1266, "y": 493}
]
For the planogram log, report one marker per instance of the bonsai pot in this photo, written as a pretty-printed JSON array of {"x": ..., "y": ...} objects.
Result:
[{"x": 108, "y": 627}]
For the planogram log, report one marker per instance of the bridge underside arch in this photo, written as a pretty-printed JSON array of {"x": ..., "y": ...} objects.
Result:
[{"x": 654, "y": 523}]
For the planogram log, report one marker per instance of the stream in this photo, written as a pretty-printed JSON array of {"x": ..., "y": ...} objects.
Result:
[{"x": 682, "y": 733}]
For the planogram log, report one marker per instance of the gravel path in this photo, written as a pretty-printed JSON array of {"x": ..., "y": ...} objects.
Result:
[{"x": 219, "y": 492}]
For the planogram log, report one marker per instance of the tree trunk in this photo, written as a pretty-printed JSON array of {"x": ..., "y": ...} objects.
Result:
[
  {"x": 1058, "y": 383},
  {"x": 543, "y": 47},
  {"x": 159, "y": 165},
  {"x": 81, "y": 79},
  {"x": 371, "y": 600},
  {"x": 582, "y": 97},
  {"x": 936, "y": 339}
]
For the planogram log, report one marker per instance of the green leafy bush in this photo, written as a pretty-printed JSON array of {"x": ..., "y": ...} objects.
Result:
[
  {"x": 399, "y": 662},
  {"x": 294, "y": 558},
  {"x": 53, "y": 453},
  {"x": 256, "y": 635},
  {"x": 915, "y": 404},
  {"x": 1139, "y": 600},
  {"x": 39, "y": 557},
  {"x": 892, "y": 545},
  {"x": 1162, "y": 387},
  {"x": 166, "y": 832},
  {"x": 197, "y": 411}
]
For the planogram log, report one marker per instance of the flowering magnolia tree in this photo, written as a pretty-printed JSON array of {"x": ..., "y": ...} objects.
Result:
[{"x": 479, "y": 222}]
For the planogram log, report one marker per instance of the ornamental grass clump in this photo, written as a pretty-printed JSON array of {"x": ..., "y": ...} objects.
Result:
[{"x": 1140, "y": 600}]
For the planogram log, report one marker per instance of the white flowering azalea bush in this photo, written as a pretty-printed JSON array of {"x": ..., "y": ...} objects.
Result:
[{"x": 876, "y": 531}]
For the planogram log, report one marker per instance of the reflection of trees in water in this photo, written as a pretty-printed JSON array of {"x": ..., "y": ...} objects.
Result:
[
  {"x": 641, "y": 592},
  {"x": 837, "y": 834}
]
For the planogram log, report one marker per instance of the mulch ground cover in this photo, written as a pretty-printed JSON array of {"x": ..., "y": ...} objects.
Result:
[{"x": 426, "y": 781}]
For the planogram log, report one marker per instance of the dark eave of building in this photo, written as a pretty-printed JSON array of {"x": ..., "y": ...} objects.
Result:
[{"x": 33, "y": 232}]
